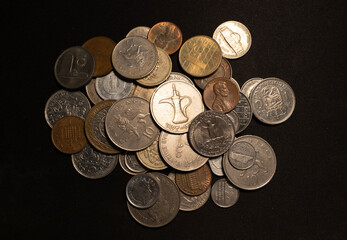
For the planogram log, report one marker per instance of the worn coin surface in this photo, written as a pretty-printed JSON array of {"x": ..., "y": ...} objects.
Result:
[
  {"x": 241, "y": 155},
  {"x": 166, "y": 207},
  {"x": 200, "y": 56},
  {"x": 112, "y": 86},
  {"x": 143, "y": 92},
  {"x": 235, "y": 119},
  {"x": 244, "y": 112},
  {"x": 74, "y": 67},
  {"x": 132, "y": 163},
  {"x": 234, "y": 39},
  {"x": 273, "y": 101},
  {"x": 211, "y": 133},
  {"x": 122, "y": 157},
  {"x": 93, "y": 164},
  {"x": 216, "y": 165},
  {"x": 134, "y": 57},
  {"x": 129, "y": 124},
  {"x": 140, "y": 31},
  {"x": 179, "y": 76},
  {"x": 248, "y": 86},
  {"x": 224, "y": 194},
  {"x": 91, "y": 92}
]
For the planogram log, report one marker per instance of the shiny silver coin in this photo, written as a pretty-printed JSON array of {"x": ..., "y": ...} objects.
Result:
[
  {"x": 248, "y": 86},
  {"x": 244, "y": 112},
  {"x": 111, "y": 86},
  {"x": 223, "y": 194},
  {"x": 241, "y": 155},
  {"x": 235, "y": 119},
  {"x": 91, "y": 92},
  {"x": 121, "y": 157},
  {"x": 132, "y": 163},
  {"x": 216, "y": 165},
  {"x": 140, "y": 31},
  {"x": 179, "y": 76}
]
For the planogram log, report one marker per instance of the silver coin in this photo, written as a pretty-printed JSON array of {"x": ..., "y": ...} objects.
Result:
[
  {"x": 241, "y": 155},
  {"x": 166, "y": 207},
  {"x": 140, "y": 31},
  {"x": 216, "y": 165},
  {"x": 121, "y": 157},
  {"x": 74, "y": 67},
  {"x": 130, "y": 160},
  {"x": 64, "y": 103},
  {"x": 262, "y": 170},
  {"x": 111, "y": 86},
  {"x": 134, "y": 57},
  {"x": 142, "y": 191},
  {"x": 244, "y": 112},
  {"x": 248, "y": 86},
  {"x": 91, "y": 92},
  {"x": 93, "y": 164},
  {"x": 235, "y": 119},
  {"x": 179, "y": 76},
  {"x": 273, "y": 101},
  {"x": 223, "y": 194}
]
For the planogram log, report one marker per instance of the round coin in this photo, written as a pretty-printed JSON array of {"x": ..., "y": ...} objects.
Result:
[
  {"x": 235, "y": 119},
  {"x": 140, "y": 31},
  {"x": 248, "y": 86},
  {"x": 132, "y": 163},
  {"x": 122, "y": 157},
  {"x": 243, "y": 110},
  {"x": 223, "y": 194},
  {"x": 241, "y": 155},
  {"x": 216, "y": 165},
  {"x": 179, "y": 76},
  {"x": 111, "y": 86},
  {"x": 143, "y": 92},
  {"x": 91, "y": 92}
]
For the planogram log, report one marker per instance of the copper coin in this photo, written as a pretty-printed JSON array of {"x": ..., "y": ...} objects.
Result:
[
  {"x": 167, "y": 36},
  {"x": 221, "y": 95},
  {"x": 68, "y": 134},
  {"x": 195, "y": 182},
  {"x": 101, "y": 48}
]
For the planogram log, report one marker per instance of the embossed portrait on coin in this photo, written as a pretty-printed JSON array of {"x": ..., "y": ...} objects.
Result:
[
  {"x": 273, "y": 102},
  {"x": 133, "y": 54},
  {"x": 166, "y": 37},
  {"x": 221, "y": 91}
]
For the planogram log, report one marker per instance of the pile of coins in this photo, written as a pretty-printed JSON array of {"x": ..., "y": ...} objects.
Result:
[{"x": 151, "y": 119}]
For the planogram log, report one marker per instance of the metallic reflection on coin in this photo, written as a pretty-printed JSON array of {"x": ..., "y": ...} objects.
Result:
[
  {"x": 248, "y": 86},
  {"x": 91, "y": 92},
  {"x": 224, "y": 194},
  {"x": 132, "y": 163},
  {"x": 241, "y": 155},
  {"x": 244, "y": 112},
  {"x": 111, "y": 86},
  {"x": 140, "y": 31},
  {"x": 179, "y": 76},
  {"x": 235, "y": 119},
  {"x": 216, "y": 165}
]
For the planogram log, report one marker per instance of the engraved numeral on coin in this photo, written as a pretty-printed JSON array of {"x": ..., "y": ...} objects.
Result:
[{"x": 149, "y": 132}]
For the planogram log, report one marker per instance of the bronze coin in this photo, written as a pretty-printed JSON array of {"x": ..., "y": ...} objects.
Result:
[
  {"x": 101, "y": 48},
  {"x": 195, "y": 182},
  {"x": 166, "y": 35},
  {"x": 221, "y": 95},
  {"x": 68, "y": 134}
]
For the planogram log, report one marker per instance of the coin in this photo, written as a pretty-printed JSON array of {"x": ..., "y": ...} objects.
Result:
[
  {"x": 234, "y": 39},
  {"x": 74, "y": 67},
  {"x": 262, "y": 170},
  {"x": 166, "y": 207},
  {"x": 143, "y": 92},
  {"x": 111, "y": 86},
  {"x": 211, "y": 133},
  {"x": 174, "y": 104},
  {"x": 134, "y": 57},
  {"x": 91, "y": 92},
  {"x": 177, "y": 152},
  {"x": 65, "y": 103},
  {"x": 235, "y": 119},
  {"x": 195, "y": 182},
  {"x": 248, "y": 86},
  {"x": 216, "y": 165},
  {"x": 140, "y": 31},
  {"x": 166, "y": 36},
  {"x": 221, "y": 95},
  {"x": 224, "y": 194},
  {"x": 179, "y": 76},
  {"x": 68, "y": 134},
  {"x": 244, "y": 112},
  {"x": 132, "y": 163},
  {"x": 129, "y": 124},
  {"x": 241, "y": 155},
  {"x": 200, "y": 56},
  {"x": 101, "y": 48},
  {"x": 93, "y": 164},
  {"x": 273, "y": 101},
  {"x": 122, "y": 157}
]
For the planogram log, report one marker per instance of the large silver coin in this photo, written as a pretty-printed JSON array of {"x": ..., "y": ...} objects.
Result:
[
  {"x": 244, "y": 112},
  {"x": 111, "y": 86},
  {"x": 91, "y": 92},
  {"x": 132, "y": 163},
  {"x": 122, "y": 157},
  {"x": 273, "y": 101},
  {"x": 140, "y": 31},
  {"x": 166, "y": 207},
  {"x": 216, "y": 165},
  {"x": 241, "y": 155},
  {"x": 64, "y": 103},
  {"x": 74, "y": 67},
  {"x": 248, "y": 86},
  {"x": 223, "y": 194},
  {"x": 262, "y": 170},
  {"x": 134, "y": 57},
  {"x": 93, "y": 164}
]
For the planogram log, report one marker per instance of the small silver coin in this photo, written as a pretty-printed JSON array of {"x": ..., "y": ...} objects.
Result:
[
  {"x": 111, "y": 86},
  {"x": 140, "y": 31},
  {"x": 244, "y": 112},
  {"x": 248, "y": 86},
  {"x": 132, "y": 163},
  {"x": 241, "y": 155},
  {"x": 216, "y": 166},
  {"x": 223, "y": 194},
  {"x": 121, "y": 157},
  {"x": 235, "y": 119},
  {"x": 91, "y": 92}
]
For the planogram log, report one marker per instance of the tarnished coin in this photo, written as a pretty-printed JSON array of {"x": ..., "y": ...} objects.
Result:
[
  {"x": 91, "y": 92},
  {"x": 101, "y": 48},
  {"x": 74, "y": 67},
  {"x": 161, "y": 71},
  {"x": 195, "y": 182},
  {"x": 211, "y": 133},
  {"x": 111, "y": 86},
  {"x": 132, "y": 163},
  {"x": 129, "y": 124},
  {"x": 122, "y": 157},
  {"x": 224, "y": 194},
  {"x": 134, "y": 57},
  {"x": 174, "y": 105},
  {"x": 241, "y": 155},
  {"x": 142, "y": 191},
  {"x": 216, "y": 165},
  {"x": 179, "y": 76},
  {"x": 273, "y": 101},
  {"x": 143, "y": 92},
  {"x": 93, "y": 164},
  {"x": 166, "y": 36},
  {"x": 234, "y": 39},
  {"x": 141, "y": 31},
  {"x": 235, "y": 119},
  {"x": 68, "y": 134},
  {"x": 177, "y": 152},
  {"x": 262, "y": 170},
  {"x": 95, "y": 127},
  {"x": 248, "y": 86},
  {"x": 200, "y": 56},
  {"x": 166, "y": 207},
  {"x": 221, "y": 95},
  {"x": 244, "y": 112},
  {"x": 64, "y": 103}
]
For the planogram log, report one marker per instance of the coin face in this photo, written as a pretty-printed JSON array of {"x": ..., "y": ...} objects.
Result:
[
  {"x": 113, "y": 87},
  {"x": 134, "y": 57},
  {"x": 68, "y": 134},
  {"x": 248, "y": 86},
  {"x": 234, "y": 39},
  {"x": 132, "y": 163},
  {"x": 174, "y": 105},
  {"x": 273, "y": 101},
  {"x": 141, "y": 31},
  {"x": 224, "y": 194},
  {"x": 244, "y": 112},
  {"x": 101, "y": 48},
  {"x": 74, "y": 67},
  {"x": 129, "y": 124},
  {"x": 216, "y": 165},
  {"x": 166, "y": 36},
  {"x": 211, "y": 133},
  {"x": 200, "y": 56},
  {"x": 241, "y": 155},
  {"x": 91, "y": 92},
  {"x": 122, "y": 158}
]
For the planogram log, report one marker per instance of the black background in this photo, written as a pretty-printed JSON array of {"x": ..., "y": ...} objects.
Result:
[{"x": 301, "y": 42}]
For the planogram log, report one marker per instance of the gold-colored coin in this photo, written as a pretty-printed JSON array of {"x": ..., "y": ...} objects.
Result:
[
  {"x": 200, "y": 56},
  {"x": 143, "y": 92}
]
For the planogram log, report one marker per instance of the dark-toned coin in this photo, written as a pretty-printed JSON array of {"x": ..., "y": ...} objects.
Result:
[
  {"x": 244, "y": 112},
  {"x": 68, "y": 134}
]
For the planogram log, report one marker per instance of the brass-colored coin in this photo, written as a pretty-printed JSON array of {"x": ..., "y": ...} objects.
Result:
[
  {"x": 221, "y": 95},
  {"x": 68, "y": 134},
  {"x": 101, "y": 48},
  {"x": 200, "y": 56},
  {"x": 196, "y": 182},
  {"x": 143, "y": 92},
  {"x": 95, "y": 127},
  {"x": 166, "y": 36}
]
